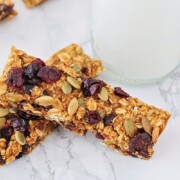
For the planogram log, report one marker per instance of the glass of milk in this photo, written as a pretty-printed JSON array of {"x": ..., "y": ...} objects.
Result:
[{"x": 138, "y": 40}]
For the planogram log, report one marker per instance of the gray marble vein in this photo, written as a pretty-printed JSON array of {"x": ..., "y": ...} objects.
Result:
[{"x": 64, "y": 156}]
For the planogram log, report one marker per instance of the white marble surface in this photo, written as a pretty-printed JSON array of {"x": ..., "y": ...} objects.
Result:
[{"x": 65, "y": 156}]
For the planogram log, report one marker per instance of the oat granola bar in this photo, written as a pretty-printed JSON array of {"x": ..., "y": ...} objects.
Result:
[
  {"x": 32, "y": 3},
  {"x": 83, "y": 104},
  {"x": 6, "y": 9},
  {"x": 20, "y": 133}
]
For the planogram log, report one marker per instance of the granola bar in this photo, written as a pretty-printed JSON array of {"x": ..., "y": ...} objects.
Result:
[
  {"x": 6, "y": 9},
  {"x": 82, "y": 104},
  {"x": 32, "y": 3},
  {"x": 20, "y": 133}
]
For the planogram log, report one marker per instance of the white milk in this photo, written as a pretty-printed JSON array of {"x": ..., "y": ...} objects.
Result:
[{"x": 137, "y": 39}]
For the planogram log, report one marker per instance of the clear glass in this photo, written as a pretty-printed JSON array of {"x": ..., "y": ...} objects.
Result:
[{"x": 138, "y": 40}]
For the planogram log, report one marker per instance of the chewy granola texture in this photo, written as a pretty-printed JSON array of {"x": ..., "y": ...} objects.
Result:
[
  {"x": 20, "y": 133},
  {"x": 32, "y": 3},
  {"x": 83, "y": 104},
  {"x": 74, "y": 62},
  {"x": 6, "y": 9}
]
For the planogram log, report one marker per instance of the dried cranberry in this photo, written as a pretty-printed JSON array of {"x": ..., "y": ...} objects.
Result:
[
  {"x": 92, "y": 86},
  {"x": 6, "y": 133},
  {"x": 2, "y": 160},
  {"x": 30, "y": 83},
  {"x": 5, "y": 10},
  {"x": 99, "y": 136},
  {"x": 46, "y": 93},
  {"x": 107, "y": 120},
  {"x": 140, "y": 144},
  {"x": 25, "y": 148},
  {"x": 22, "y": 114},
  {"x": 33, "y": 81},
  {"x": 19, "y": 155},
  {"x": 40, "y": 126},
  {"x": 84, "y": 70},
  {"x": 26, "y": 133},
  {"x": 4, "y": 7},
  {"x": 28, "y": 117},
  {"x": 28, "y": 88},
  {"x": 49, "y": 74},
  {"x": 71, "y": 126},
  {"x": 119, "y": 92},
  {"x": 92, "y": 117},
  {"x": 16, "y": 79},
  {"x": 38, "y": 107},
  {"x": 33, "y": 117},
  {"x": 33, "y": 68},
  {"x": 30, "y": 72},
  {"x": 19, "y": 124}
]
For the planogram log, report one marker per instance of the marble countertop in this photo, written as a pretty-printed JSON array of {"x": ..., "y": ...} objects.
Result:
[{"x": 64, "y": 156}]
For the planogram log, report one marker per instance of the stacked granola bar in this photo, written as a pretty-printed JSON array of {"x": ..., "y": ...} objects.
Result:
[
  {"x": 80, "y": 103},
  {"x": 20, "y": 132},
  {"x": 6, "y": 9}
]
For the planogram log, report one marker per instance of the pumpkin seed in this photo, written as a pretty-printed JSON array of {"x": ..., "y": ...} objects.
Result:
[
  {"x": 77, "y": 68},
  {"x": 103, "y": 95},
  {"x": 135, "y": 110},
  {"x": 66, "y": 88},
  {"x": 2, "y": 122},
  {"x": 4, "y": 112},
  {"x": 81, "y": 101},
  {"x": 147, "y": 126},
  {"x": 76, "y": 84},
  {"x": 45, "y": 101},
  {"x": 101, "y": 113},
  {"x": 20, "y": 138},
  {"x": 3, "y": 88},
  {"x": 130, "y": 127},
  {"x": 14, "y": 97},
  {"x": 13, "y": 110},
  {"x": 73, "y": 106}
]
